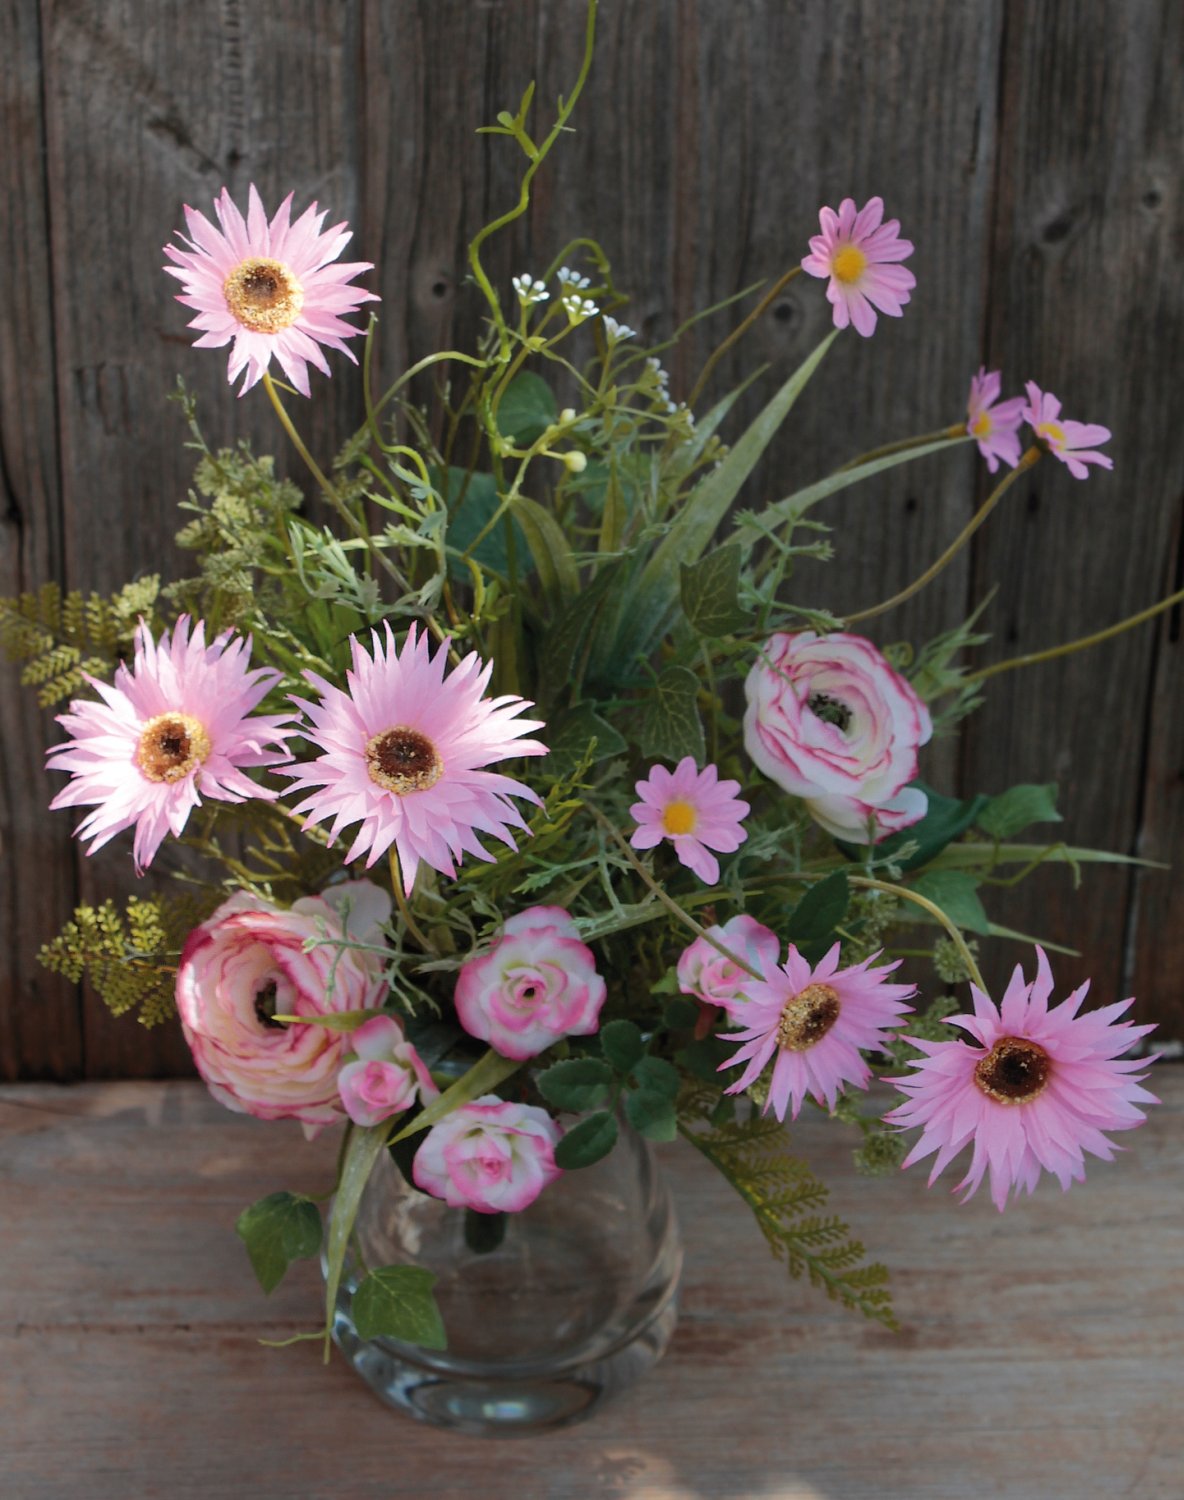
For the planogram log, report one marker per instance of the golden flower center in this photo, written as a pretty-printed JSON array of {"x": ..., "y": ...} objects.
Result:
[
  {"x": 1052, "y": 431},
  {"x": 679, "y": 817},
  {"x": 1015, "y": 1071},
  {"x": 848, "y": 264},
  {"x": 263, "y": 295},
  {"x": 403, "y": 760},
  {"x": 808, "y": 1017},
  {"x": 171, "y": 745},
  {"x": 981, "y": 425}
]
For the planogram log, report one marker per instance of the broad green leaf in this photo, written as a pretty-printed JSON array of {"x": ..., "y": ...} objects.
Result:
[
  {"x": 576, "y": 1084},
  {"x": 361, "y": 1152},
  {"x": 527, "y": 409},
  {"x": 550, "y": 549},
  {"x": 567, "y": 634},
  {"x": 622, "y": 1044},
  {"x": 652, "y": 1115},
  {"x": 277, "y": 1230},
  {"x": 587, "y": 1142},
  {"x": 710, "y": 592},
  {"x": 671, "y": 727},
  {"x": 1018, "y": 808},
  {"x": 680, "y": 1014},
  {"x": 487, "y": 1072},
  {"x": 570, "y": 735},
  {"x": 468, "y": 519},
  {"x": 946, "y": 819},
  {"x": 956, "y": 892},
  {"x": 702, "y": 1059},
  {"x": 396, "y": 1302},
  {"x": 819, "y": 912},
  {"x": 657, "y": 1076}
]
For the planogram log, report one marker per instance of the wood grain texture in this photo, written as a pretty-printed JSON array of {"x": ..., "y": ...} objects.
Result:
[{"x": 1040, "y": 1357}]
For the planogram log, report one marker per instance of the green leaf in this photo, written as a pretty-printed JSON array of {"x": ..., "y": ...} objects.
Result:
[
  {"x": 550, "y": 549},
  {"x": 396, "y": 1302},
  {"x": 671, "y": 727},
  {"x": 956, "y": 892},
  {"x": 819, "y": 912},
  {"x": 277, "y": 1230},
  {"x": 710, "y": 592},
  {"x": 348, "y": 1020},
  {"x": 680, "y": 1014},
  {"x": 622, "y": 1044},
  {"x": 1017, "y": 808},
  {"x": 587, "y": 1142},
  {"x": 577, "y": 1084},
  {"x": 702, "y": 1059},
  {"x": 946, "y": 819},
  {"x": 527, "y": 409},
  {"x": 468, "y": 519},
  {"x": 361, "y": 1151},
  {"x": 570, "y": 736},
  {"x": 657, "y": 1076},
  {"x": 487, "y": 1072},
  {"x": 568, "y": 632},
  {"x": 652, "y": 1115}
]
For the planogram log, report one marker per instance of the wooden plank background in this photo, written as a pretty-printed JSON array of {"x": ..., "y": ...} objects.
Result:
[{"x": 1035, "y": 154}]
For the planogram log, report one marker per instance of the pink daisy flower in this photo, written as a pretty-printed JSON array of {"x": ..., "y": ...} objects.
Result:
[
  {"x": 1068, "y": 441},
  {"x": 695, "y": 810},
  {"x": 403, "y": 755},
  {"x": 994, "y": 424},
  {"x": 269, "y": 287},
  {"x": 1034, "y": 1091},
  {"x": 175, "y": 726},
  {"x": 815, "y": 1022},
  {"x": 856, "y": 251}
]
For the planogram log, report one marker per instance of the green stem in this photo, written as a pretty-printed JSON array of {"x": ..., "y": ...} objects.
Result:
[
  {"x": 409, "y": 921},
  {"x": 904, "y": 444},
  {"x": 739, "y": 331},
  {"x": 925, "y": 904}
]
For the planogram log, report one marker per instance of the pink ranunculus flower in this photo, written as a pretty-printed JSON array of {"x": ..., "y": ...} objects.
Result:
[
  {"x": 491, "y": 1156},
  {"x": 704, "y": 972},
  {"x": 247, "y": 963},
  {"x": 695, "y": 810},
  {"x": 535, "y": 986},
  {"x": 857, "y": 253},
  {"x": 387, "y": 1075},
  {"x": 1071, "y": 442},
  {"x": 994, "y": 424},
  {"x": 830, "y": 721}
]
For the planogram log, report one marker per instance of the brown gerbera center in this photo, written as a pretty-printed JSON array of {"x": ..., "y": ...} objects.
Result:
[
  {"x": 263, "y": 295},
  {"x": 171, "y": 745},
  {"x": 1015, "y": 1071},
  {"x": 807, "y": 1017},
  {"x": 829, "y": 710},
  {"x": 403, "y": 760}
]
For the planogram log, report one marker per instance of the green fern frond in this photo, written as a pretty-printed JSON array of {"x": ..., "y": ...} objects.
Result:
[{"x": 62, "y": 637}]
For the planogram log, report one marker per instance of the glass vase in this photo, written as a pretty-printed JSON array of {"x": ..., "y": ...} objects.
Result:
[{"x": 574, "y": 1300}]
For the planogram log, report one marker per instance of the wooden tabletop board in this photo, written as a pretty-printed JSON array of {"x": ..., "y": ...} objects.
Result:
[{"x": 1041, "y": 1356}]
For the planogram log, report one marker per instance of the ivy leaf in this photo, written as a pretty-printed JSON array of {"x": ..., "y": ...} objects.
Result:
[
  {"x": 579, "y": 1083},
  {"x": 1017, "y": 808},
  {"x": 571, "y": 735},
  {"x": 526, "y": 409},
  {"x": 277, "y": 1230},
  {"x": 956, "y": 892},
  {"x": 710, "y": 592},
  {"x": 657, "y": 1076},
  {"x": 587, "y": 1142},
  {"x": 622, "y": 1044},
  {"x": 671, "y": 727},
  {"x": 652, "y": 1115},
  {"x": 397, "y": 1302},
  {"x": 820, "y": 910}
]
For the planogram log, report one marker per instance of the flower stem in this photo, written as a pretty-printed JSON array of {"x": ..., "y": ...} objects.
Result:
[
  {"x": 925, "y": 904},
  {"x": 409, "y": 921},
  {"x": 739, "y": 331},
  {"x": 1031, "y": 457},
  {"x": 483, "y": 1232},
  {"x": 903, "y": 445}
]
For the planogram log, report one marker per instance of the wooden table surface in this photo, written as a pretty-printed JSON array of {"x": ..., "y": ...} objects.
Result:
[{"x": 1042, "y": 1355}]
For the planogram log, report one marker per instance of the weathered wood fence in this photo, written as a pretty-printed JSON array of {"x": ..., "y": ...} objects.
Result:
[{"x": 1034, "y": 153}]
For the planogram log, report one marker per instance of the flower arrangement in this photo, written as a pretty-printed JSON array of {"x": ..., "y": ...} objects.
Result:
[{"x": 533, "y": 752}]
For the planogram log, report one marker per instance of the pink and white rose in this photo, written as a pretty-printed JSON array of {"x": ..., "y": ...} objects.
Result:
[
  {"x": 537, "y": 984},
  {"x": 386, "y": 1076},
  {"x": 247, "y": 963},
  {"x": 704, "y": 972},
  {"x": 491, "y": 1156},
  {"x": 831, "y": 722}
]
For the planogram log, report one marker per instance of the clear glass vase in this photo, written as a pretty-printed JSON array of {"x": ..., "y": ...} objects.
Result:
[{"x": 577, "y": 1300}]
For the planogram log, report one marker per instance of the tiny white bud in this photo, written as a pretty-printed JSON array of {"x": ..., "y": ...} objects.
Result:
[{"x": 575, "y": 461}]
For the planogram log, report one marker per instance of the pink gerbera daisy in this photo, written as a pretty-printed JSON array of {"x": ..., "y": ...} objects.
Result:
[
  {"x": 695, "y": 810},
  {"x": 994, "y": 424},
  {"x": 1068, "y": 441},
  {"x": 403, "y": 755},
  {"x": 1037, "y": 1090},
  {"x": 855, "y": 250},
  {"x": 175, "y": 726},
  {"x": 269, "y": 287},
  {"x": 815, "y": 1022}
]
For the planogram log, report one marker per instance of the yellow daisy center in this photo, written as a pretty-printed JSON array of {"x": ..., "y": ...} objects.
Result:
[
  {"x": 263, "y": 295},
  {"x": 808, "y": 1017},
  {"x": 1051, "y": 431},
  {"x": 171, "y": 745},
  {"x": 402, "y": 760},
  {"x": 981, "y": 425},
  {"x": 848, "y": 264},
  {"x": 679, "y": 817},
  {"x": 1015, "y": 1071}
]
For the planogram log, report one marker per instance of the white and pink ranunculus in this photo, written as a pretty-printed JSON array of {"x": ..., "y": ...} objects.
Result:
[
  {"x": 536, "y": 985},
  {"x": 247, "y": 964},
  {"x": 491, "y": 1156},
  {"x": 386, "y": 1076},
  {"x": 831, "y": 722},
  {"x": 704, "y": 972}
]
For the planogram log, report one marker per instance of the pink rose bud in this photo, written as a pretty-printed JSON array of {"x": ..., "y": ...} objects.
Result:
[
  {"x": 704, "y": 972},
  {"x": 830, "y": 721},
  {"x": 537, "y": 984},
  {"x": 491, "y": 1156},
  {"x": 387, "y": 1076}
]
